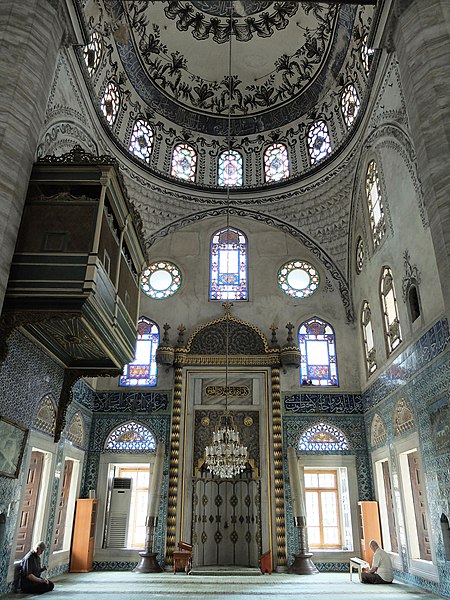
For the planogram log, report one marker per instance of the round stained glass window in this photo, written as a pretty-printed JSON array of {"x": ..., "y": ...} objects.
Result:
[
  {"x": 161, "y": 280},
  {"x": 298, "y": 279}
]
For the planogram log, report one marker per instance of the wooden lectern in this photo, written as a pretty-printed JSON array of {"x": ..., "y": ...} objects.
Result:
[{"x": 182, "y": 558}]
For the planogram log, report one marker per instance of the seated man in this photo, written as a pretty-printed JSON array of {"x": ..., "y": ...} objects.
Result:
[
  {"x": 31, "y": 580},
  {"x": 381, "y": 569}
]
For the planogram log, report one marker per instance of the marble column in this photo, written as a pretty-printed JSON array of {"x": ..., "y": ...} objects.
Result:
[
  {"x": 30, "y": 36},
  {"x": 421, "y": 37}
]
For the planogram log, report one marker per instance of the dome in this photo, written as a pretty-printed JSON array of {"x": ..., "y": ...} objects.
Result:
[{"x": 199, "y": 78}]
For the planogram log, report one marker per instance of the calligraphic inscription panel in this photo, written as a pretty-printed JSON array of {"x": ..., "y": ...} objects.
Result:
[{"x": 239, "y": 391}]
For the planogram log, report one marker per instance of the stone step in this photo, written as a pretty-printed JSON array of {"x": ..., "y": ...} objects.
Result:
[{"x": 225, "y": 570}]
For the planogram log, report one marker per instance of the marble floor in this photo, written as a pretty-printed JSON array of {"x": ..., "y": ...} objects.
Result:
[{"x": 166, "y": 586}]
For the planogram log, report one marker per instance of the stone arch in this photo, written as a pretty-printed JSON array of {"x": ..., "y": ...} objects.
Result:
[{"x": 319, "y": 253}]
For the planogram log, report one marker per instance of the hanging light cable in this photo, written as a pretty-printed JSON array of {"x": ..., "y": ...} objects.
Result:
[{"x": 226, "y": 457}]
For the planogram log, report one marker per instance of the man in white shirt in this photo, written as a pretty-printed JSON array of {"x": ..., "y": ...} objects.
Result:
[{"x": 381, "y": 569}]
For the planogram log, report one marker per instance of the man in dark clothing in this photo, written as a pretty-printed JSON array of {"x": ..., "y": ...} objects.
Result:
[{"x": 31, "y": 580}]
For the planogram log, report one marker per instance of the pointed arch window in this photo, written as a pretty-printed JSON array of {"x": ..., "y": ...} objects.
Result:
[
  {"x": 350, "y": 104},
  {"x": 110, "y": 102},
  {"x": 389, "y": 307},
  {"x": 93, "y": 53},
  {"x": 130, "y": 437},
  {"x": 228, "y": 265},
  {"x": 143, "y": 370},
  {"x": 375, "y": 203},
  {"x": 230, "y": 169},
  {"x": 318, "y": 353},
  {"x": 141, "y": 141},
  {"x": 184, "y": 162},
  {"x": 369, "y": 346},
  {"x": 319, "y": 142},
  {"x": 276, "y": 162}
]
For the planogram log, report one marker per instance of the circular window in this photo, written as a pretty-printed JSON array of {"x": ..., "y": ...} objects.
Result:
[
  {"x": 161, "y": 280},
  {"x": 298, "y": 278},
  {"x": 359, "y": 255}
]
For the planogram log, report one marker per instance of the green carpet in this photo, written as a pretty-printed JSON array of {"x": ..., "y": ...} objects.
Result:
[{"x": 166, "y": 586}]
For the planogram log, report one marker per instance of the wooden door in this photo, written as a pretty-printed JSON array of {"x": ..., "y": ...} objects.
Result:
[
  {"x": 62, "y": 506},
  {"x": 30, "y": 500},
  {"x": 418, "y": 494},
  {"x": 390, "y": 506}
]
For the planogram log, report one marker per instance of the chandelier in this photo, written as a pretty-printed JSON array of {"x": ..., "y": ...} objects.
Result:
[{"x": 226, "y": 457}]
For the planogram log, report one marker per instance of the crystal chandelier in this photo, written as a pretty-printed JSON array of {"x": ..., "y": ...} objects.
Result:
[{"x": 226, "y": 457}]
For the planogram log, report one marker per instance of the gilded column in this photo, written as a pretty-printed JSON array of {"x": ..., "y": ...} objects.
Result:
[
  {"x": 173, "y": 466},
  {"x": 278, "y": 468}
]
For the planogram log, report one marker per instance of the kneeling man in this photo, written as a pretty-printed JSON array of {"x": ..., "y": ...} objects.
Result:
[
  {"x": 381, "y": 569},
  {"x": 31, "y": 580}
]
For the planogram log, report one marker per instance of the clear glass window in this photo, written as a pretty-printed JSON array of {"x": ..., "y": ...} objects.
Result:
[
  {"x": 93, "y": 53},
  {"x": 392, "y": 328},
  {"x": 369, "y": 345},
  {"x": 375, "y": 203}
]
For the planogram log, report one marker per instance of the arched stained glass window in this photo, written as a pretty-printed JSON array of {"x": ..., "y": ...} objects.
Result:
[
  {"x": 111, "y": 102},
  {"x": 130, "y": 437},
  {"x": 369, "y": 346},
  {"x": 228, "y": 265},
  {"x": 323, "y": 437},
  {"x": 230, "y": 169},
  {"x": 141, "y": 141},
  {"x": 318, "y": 353},
  {"x": 184, "y": 162},
  {"x": 143, "y": 370},
  {"x": 350, "y": 104},
  {"x": 375, "y": 203},
  {"x": 161, "y": 280},
  {"x": 276, "y": 162},
  {"x": 93, "y": 52},
  {"x": 392, "y": 329},
  {"x": 319, "y": 143}
]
